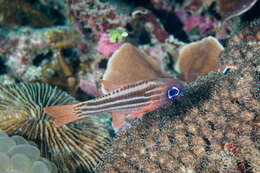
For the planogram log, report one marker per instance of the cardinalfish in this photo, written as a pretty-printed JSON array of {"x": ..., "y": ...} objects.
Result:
[{"x": 132, "y": 99}]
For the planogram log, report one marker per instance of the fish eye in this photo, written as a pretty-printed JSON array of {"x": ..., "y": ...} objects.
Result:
[{"x": 172, "y": 93}]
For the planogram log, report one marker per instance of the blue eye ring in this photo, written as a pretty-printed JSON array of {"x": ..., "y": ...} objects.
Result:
[{"x": 173, "y": 92}]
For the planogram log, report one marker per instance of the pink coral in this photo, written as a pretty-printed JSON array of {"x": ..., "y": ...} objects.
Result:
[
  {"x": 197, "y": 24},
  {"x": 105, "y": 47},
  {"x": 202, "y": 22},
  {"x": 97, "y": 15},
  {"x": 90, "y": 88}
]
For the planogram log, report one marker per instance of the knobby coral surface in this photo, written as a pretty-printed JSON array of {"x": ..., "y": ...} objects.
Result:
[
  {"x": 19, "y": 156},
  {"x": 212, "y": 127}
]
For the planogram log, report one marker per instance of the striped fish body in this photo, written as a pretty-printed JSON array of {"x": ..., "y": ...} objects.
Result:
[
  {"x": 129, "y": 98},
  {"x": 135, "y": 99}
]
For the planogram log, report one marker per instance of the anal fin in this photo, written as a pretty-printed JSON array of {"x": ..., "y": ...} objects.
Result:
[{"x": 118, "y": 119}]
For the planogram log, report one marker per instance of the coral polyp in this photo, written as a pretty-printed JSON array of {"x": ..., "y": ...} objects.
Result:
[{"x": 73, "y": 148}]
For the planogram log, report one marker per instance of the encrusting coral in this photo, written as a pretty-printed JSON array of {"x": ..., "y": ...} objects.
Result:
[
  {"x": 212, "y": 127},
  {"x": 19, "y": 156},
  {"x": 75, "y": 147}
]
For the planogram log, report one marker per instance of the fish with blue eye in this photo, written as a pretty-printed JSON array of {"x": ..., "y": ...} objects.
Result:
[
  {"x": 132, "y": 99},
  {"x": 173, "y": 92}
]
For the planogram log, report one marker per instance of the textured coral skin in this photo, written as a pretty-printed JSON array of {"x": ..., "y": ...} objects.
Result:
[{"x": 192, "y": 134}]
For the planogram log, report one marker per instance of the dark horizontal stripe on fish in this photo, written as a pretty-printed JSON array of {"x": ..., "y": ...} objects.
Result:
[
  {"x": 138, "y": 92},
  {"x": 112, "y": 104},
  {"x": 123, "y": 109},
  {"x": 103, "y": 100},
  {"x": 143, "y": 98}
]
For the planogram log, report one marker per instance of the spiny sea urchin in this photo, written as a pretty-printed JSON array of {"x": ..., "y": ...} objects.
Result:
[{"x": 75, "y": 147}]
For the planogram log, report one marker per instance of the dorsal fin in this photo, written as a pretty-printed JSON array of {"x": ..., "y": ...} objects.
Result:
[{"x": 108, "y": 85}]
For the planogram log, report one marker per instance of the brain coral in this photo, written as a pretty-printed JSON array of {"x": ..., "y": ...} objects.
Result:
[
  {"x": 75, "y": 147},
  {"x": 212, "y": 127}
]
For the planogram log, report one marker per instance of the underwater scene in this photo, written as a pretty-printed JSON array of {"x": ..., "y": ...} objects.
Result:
[{"x": 129, "y": 86}]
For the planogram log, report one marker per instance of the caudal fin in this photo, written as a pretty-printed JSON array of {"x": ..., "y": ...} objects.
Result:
[{"x": 62, "y": 114}]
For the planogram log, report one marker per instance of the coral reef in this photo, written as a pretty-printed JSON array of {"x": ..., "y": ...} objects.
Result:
[
  {"x": 97, "y": 15},
  {"x": 18, "y": 13},
  {"x": 198, "y": 26},
  {"x": 37, "y": 55},
  {"x": 60, "y": 73},
  {"x": 75, "y": 147},
  {"x": 24, "y": 45},
  {"x": 212, "y": 127},
  {"x": 72, "y": 43},
  {"x": 19, "y": 156}
]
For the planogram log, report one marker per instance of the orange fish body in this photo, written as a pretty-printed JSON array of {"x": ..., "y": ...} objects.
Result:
[{"x": 135, "y": 99}]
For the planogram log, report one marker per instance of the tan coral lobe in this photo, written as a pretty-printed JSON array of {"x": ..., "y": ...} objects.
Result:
[
  {"x": 129, "y": 64},
  {"x": 199, "y": 58}
]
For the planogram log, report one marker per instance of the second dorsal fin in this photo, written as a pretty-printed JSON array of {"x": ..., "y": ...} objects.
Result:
[{"x": 108, "y": 85}]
